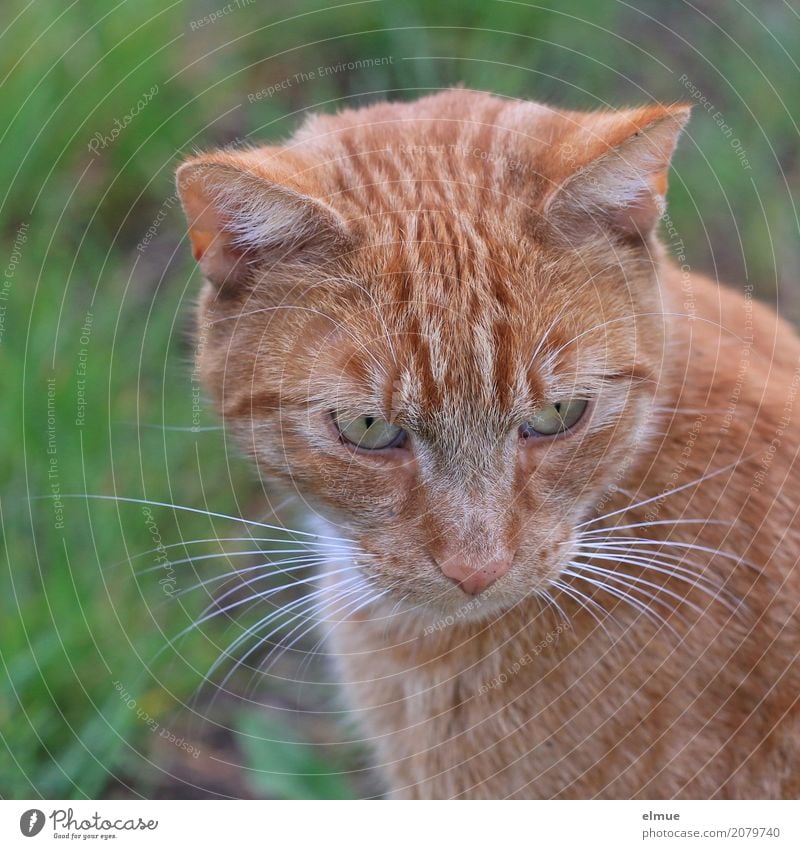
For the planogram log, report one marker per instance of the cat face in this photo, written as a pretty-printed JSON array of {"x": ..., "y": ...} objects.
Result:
[{"x": 440, "y": 323}]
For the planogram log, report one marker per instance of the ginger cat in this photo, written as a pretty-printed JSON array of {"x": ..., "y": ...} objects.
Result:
[{"x": 566, "y": 467}]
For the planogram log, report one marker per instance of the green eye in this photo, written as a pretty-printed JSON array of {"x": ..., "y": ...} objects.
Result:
[
  {"x": 369, "y": 432},
  {"x": 553, "y": 419}
]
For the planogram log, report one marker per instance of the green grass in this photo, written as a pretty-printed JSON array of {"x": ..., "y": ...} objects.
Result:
[{"x": 75, "y": 618}]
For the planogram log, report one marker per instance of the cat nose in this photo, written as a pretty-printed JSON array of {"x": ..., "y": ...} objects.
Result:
[{"x": 475, "y": 579}]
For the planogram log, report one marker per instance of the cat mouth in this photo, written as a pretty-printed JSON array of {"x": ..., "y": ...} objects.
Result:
[{"x": 455, "y": 603}]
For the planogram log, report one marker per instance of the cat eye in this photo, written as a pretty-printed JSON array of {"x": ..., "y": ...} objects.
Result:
[
  {"x": 553, "y": 419},
  {"x": 369, "y": 432}
]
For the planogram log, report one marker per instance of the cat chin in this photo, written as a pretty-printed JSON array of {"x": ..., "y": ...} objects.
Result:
[{"x": 435, "y": 612}]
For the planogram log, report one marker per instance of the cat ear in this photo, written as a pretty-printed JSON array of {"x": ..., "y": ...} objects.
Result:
[
  {"x": 620, "y": 183},
  {"x": 237, "y": 216}
]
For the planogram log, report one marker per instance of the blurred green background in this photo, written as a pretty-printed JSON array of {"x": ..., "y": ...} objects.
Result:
[{"x": 100, "y": 100}]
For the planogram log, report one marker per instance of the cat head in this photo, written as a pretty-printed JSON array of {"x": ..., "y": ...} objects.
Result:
[{"x": 441, "y": 323}]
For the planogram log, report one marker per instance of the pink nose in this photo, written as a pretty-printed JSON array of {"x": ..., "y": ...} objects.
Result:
[{"x": 475, "y": 580}]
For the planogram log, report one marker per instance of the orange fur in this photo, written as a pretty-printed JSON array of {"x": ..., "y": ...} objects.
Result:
[{"x": 453, "y": 265}]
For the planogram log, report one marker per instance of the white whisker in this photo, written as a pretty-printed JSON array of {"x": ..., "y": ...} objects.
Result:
[
  {"x": 623, "y": 542},
  {"x": 303, "y": 563},
  {"x": 655, "y": 522},
  {"x": 311, "y": 545},
  {"x": 555, "y": 605},
  {"x": 200, "y": 557},
  {"x": 364, "y": 590},
  {"x": 197, "y": 510},
  {"x": 636, "y": 580},
  {"x": 258, "y": 596},
  {"x": 638, "y": 605},
  {"x": 308, "y": 604},
  {"x": 584, "y": 601},
  {"x": 688, "y": 576},
  {"x": 669, "y": 492}
]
